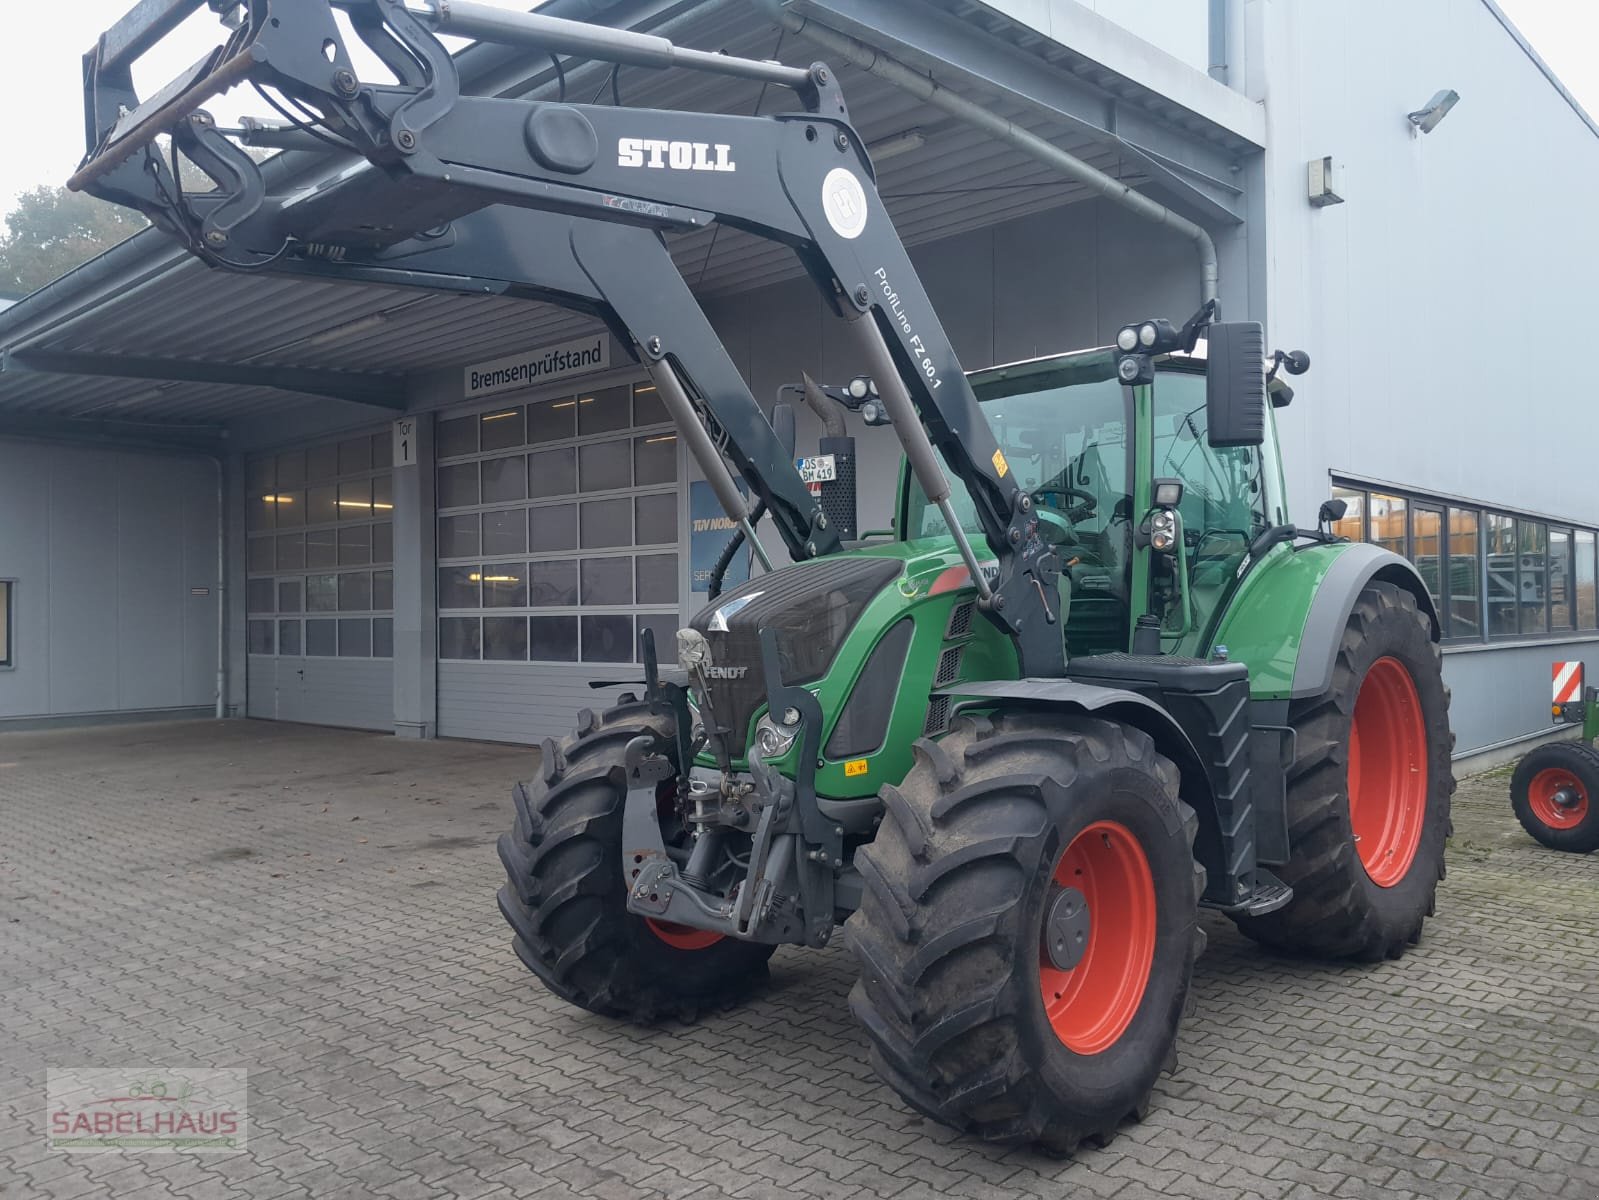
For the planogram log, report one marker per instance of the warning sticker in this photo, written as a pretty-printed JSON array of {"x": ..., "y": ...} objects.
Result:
[
  {"x": 855, "y": 766},
  {"x": 1000, "y": 464}
]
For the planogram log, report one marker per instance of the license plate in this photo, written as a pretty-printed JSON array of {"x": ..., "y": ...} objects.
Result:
[{"x": 818, "y": 469}]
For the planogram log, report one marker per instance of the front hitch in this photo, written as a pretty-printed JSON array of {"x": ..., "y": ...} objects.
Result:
[{"x": 786, "y": 893}]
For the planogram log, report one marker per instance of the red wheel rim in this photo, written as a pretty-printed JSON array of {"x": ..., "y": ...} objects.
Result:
[
  {"x": 1090, "y": 1005},
  {"x": 1387, "y": 772},
  {"x": 682, "y": 937},
  {"x": 1557, "y": 798}
]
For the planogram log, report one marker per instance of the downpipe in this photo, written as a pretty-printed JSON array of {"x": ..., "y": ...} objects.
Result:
[{"x": 877, "y": 63}]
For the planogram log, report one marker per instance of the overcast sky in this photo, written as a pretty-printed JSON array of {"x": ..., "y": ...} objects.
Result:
[{"x": 42, "y": 131}]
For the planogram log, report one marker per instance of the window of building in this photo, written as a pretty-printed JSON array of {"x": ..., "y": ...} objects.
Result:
[
  {"x": 1427, "y": 549},
  {"x": 1583, "y": 552},
  {"x": 321, "y": 551},
  {"x": 1385, "y": 522},
  {"x": 1492, "y": 575},
  {"x": 7, "y": 586},
  {"x": 1559, "y": 577},
  {"x": 1464, "y": 575},
  {"x": 1500, "y": 562},
  {"x": 1532, "y": 575},
  {"x": 553, "y": 505}
]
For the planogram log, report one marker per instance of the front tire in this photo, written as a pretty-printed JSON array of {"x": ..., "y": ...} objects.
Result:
[
  {"x": 1368, "y": 792},
  {"x": 992, "y": 1002},
  {"x": 566, "y": 899},
  {"x": 1554, "y": 793}
]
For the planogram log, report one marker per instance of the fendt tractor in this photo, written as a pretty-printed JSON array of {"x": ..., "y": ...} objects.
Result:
[{"x": 1093, "y": 681}]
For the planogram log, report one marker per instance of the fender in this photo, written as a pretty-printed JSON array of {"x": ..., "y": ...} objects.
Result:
[
  {"x": 1359, "y": 564},
  {"x": 1229, "y": 858},
  {"x": 1070, "y": 696}
]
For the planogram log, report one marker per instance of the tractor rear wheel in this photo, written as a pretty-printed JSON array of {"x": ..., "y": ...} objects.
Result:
[
  {"x": 1368, "y": 792},
  {"x": 1554, "y": 793},
  {"x": 566, "y": 900},
  {"x": 1028, "y": 928}
]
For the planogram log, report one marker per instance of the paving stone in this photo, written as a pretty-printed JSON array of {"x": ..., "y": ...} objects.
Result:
[{"x": 315, "y": 906}]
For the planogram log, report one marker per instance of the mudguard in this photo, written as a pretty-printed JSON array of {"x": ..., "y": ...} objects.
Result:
[
  {"x": 1088, "y": 698},
  {"x": 1288, "y": 615},
  {"x": 1226, "y": 848},
  {"x": 1360, "y": 564}
]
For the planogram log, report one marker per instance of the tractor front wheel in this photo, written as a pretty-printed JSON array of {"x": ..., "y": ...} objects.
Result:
[
  {"x": 566, "y": 900},
  {"x": 1554, "y": 793},
  {"x": 1368, "y": 792},
  {"x": 1029, "y": 928}
]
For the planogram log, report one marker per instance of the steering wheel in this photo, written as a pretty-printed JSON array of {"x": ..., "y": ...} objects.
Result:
[{"x": 1087, "y": 502}]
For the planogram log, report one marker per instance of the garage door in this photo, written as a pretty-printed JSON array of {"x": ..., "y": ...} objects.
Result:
[
  {"x": 559, "y": 528},
  {"x": 320, "y": 588}
]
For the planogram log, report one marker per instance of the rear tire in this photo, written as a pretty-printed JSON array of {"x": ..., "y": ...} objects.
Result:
[
  {"x": 566, "y": 900},
  {"x": 1372, "y": 758},
  {"x": 1554, "y": 793},
  {"x": 971, "y": 1018}
]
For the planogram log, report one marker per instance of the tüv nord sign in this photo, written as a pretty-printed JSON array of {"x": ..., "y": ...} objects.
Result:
[{"x": 545, "y": 364}]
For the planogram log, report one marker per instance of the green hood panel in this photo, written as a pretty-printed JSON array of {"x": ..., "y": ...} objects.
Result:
[{"x": 933, "y": 583}]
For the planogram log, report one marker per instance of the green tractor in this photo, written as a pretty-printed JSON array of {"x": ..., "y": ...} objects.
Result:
[
  {"x": 1252, "y": 719},
  {"x": 1093, "y": 681},
  {"x": 1554, "y": 790}
]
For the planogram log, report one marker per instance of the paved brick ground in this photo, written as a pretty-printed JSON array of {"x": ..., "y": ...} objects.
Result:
[{"x": 317, "y": 907}]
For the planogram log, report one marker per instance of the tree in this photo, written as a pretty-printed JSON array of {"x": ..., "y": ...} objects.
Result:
[{"x": 52, "y": 230}]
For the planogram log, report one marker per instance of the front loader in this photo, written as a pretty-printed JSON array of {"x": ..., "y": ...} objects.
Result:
[{"x": 1095, "y": 680}]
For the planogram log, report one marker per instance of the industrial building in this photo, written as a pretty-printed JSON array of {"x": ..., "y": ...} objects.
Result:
[{"x": 448, "y": 515}]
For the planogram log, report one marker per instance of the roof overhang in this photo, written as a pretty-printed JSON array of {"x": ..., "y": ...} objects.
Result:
[{"x": 223, "y": 349}]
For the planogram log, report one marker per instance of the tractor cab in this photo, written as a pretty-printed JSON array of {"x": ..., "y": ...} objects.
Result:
[{"x": 1105, "y": 462}]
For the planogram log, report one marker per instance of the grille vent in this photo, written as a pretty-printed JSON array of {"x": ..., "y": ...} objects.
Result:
[
  {"x": 937, "y": 715},
  {"x": 949, "y": 667},
  {"x": 960, "y": 620}
]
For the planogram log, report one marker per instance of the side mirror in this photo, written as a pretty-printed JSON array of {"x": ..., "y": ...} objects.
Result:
[
  {"x": 1235, "y": 384},
  {"x": 1331, "y": 512},
  {"x": 783, "y": 426}
]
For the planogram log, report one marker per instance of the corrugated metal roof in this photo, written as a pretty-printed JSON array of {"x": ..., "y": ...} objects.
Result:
[{"x": 960, "y": 179}]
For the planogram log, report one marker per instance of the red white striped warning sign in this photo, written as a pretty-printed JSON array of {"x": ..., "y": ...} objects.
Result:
[{"x": 1568, "y": 682}]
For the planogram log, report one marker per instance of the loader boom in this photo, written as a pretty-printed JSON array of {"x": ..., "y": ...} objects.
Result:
[{"x": 803, "y": 179}]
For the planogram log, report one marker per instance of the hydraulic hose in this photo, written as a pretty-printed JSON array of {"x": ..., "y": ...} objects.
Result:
[{"x": 725, "y": 559}]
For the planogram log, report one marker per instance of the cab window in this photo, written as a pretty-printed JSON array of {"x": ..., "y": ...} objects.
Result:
[{"x": 1224, "y": 502}]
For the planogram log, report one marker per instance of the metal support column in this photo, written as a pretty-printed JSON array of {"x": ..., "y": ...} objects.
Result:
[
  {"x": 236, "y": 567},
  {"x": 416, "y": 653}
]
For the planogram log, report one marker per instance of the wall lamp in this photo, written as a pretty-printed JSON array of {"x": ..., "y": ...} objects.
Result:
[{"x": 1425, "y": 120}]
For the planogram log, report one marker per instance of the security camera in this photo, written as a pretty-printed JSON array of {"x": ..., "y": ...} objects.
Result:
[{"x": 1426, "y": 119}]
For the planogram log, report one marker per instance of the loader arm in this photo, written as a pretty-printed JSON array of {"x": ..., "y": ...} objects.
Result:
[
  {"x": 803, "y": 179},
  {"x": 566, "y": 261}
]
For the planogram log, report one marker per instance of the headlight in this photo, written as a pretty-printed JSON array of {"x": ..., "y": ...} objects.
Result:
[
  {"x": 773, "y": 740},
  {"x": 1147, "y": 333},
  {"x": 1127, "y": 340},
  {"x": 1163, "y": 531}
]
